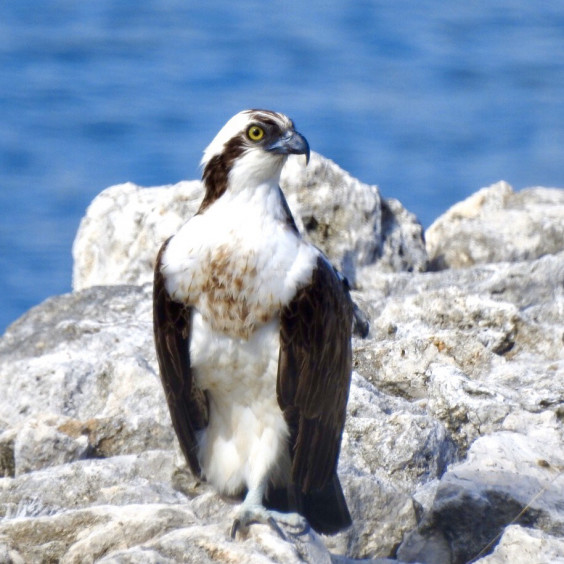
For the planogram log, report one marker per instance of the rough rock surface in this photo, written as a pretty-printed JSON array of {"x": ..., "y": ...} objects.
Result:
[
  {"x": 497, "y": 224},
  {"x": 453, "y": 449},
  {"x": 520, "y": 545},
  {"x": 88, "y": 440},
  {"x": 124, "y": 226}
]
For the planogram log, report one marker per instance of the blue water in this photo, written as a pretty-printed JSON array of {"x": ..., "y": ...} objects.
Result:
[{"x": 430, "y": 100}]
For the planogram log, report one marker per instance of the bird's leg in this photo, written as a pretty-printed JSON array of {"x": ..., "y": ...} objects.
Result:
[{"x": 253, "y": 511}]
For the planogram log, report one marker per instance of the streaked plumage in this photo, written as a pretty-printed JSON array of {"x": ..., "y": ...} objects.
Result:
[{"x": 253, "y": 334}]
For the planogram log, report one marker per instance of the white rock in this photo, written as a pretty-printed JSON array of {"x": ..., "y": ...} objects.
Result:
[
  {"x": 80, "y": 375},
  {"x": 508, "y": 477},
  {"x": 521, "y": 545},
  {"x": 496, "y": 224},
  {"x": 455, "y": 420},
  {"x": 119, "y": 237}
]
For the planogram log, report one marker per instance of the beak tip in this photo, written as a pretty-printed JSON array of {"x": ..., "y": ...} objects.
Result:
[
  {"x": 292, "y": 143},
  {"x": 305, "y": 148}
]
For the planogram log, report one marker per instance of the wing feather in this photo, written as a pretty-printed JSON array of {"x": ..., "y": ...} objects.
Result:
[
  {"x": 314, "y": 373},
  {"x": 186, "y": 402}
]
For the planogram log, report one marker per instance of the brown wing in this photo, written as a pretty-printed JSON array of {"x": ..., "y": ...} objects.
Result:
[
  {"x": 186, "y": 402},
  {"x": 314, "y": 373}
]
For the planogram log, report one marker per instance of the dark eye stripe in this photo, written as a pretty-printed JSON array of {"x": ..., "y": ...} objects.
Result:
[
  {"x": 268, "y": 121},
  {"x": 216, "y": 172}
]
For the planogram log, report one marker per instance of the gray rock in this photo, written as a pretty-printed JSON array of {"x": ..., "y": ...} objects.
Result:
[
  {"x": 455, "y": 426},
  {"x": 80, "y": 356},
  {"x": 85, "y": 535},
  {"x": 389, "y": 448},
  {"x": 85, "y": 423},
  {"x": 124, "y": 226},
  {"x": 497, "y": 224},
  {"x": 119, "y": 480},
  {"x": 481, "y": 351},
  {"x": 390, "y": 437},
  {"x": 511, "y": 476},
  {"x": 350, "y": 221},
  {"x": 467, "y": 343},
  {"x": 45, "y": 441},
  {"x": 522, "y": 545},
  {"x": 206, "y": 543}
]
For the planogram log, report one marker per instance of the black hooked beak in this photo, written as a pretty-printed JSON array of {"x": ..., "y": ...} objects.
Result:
[{"x": 291, "y": 142}]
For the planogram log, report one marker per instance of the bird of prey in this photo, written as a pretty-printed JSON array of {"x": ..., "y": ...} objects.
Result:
[{"x": 253, "y": 336}]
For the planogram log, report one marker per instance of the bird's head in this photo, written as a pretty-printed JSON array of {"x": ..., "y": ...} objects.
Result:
[{"x": 250, "y": 149}]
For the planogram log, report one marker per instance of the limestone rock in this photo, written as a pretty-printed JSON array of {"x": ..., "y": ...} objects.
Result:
[
  {"x": 119, "y": 237},
  {"x": 497, "y": 224},
  {"x": 389, "y": 448},
  {"x": 511, "y": 476},
  {"x": 80, "y": 356},
  {"x": 455, "y": 425},
  {"x": 523, "y": 545},
  {"x": 481, "y": 350},
  {"x": 43, "y": 441},
  {"x": 349, "y": 220},
  {"x": 497, "y": 325},
  {"x": 86, "y": 427}
]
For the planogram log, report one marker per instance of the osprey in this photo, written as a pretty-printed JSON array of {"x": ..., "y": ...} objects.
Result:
[{"x": 253, "y": 336}]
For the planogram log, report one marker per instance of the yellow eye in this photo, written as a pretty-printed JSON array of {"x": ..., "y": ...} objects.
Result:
[{"x": 255, "y": 133}]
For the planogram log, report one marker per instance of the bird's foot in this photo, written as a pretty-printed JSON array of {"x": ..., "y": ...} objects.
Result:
[{"x": 248, "y": 514}]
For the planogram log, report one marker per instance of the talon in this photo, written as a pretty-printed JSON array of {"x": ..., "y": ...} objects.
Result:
[
  {"x": 274, "y": 525},
  {"x": 235, "y": 527}
]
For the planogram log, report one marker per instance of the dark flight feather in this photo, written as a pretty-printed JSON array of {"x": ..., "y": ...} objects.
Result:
[
  {"x": 314, "y": 373},
  {"x": 187, "y": 403}
]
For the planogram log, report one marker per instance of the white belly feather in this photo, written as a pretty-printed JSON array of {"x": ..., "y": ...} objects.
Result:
[
  {"x": 237, "y": 265},
  {"x": 246, "y": 438}
]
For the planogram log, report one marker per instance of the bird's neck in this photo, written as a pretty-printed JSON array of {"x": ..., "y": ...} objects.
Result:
[
  {"x": 255, "y": 172},
  {"x": 258, "y": 201},
  {"x": 248, "y": 180}
]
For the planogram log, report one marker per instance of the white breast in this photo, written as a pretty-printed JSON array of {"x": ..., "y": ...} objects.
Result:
[{"x": 238, "y": 263}]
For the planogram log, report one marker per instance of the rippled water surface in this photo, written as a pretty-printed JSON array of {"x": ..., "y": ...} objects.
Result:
[{"x": 429, "y": 100}]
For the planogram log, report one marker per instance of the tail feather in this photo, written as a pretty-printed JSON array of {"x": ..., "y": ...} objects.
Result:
[{"x": 325, "y": 509}]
